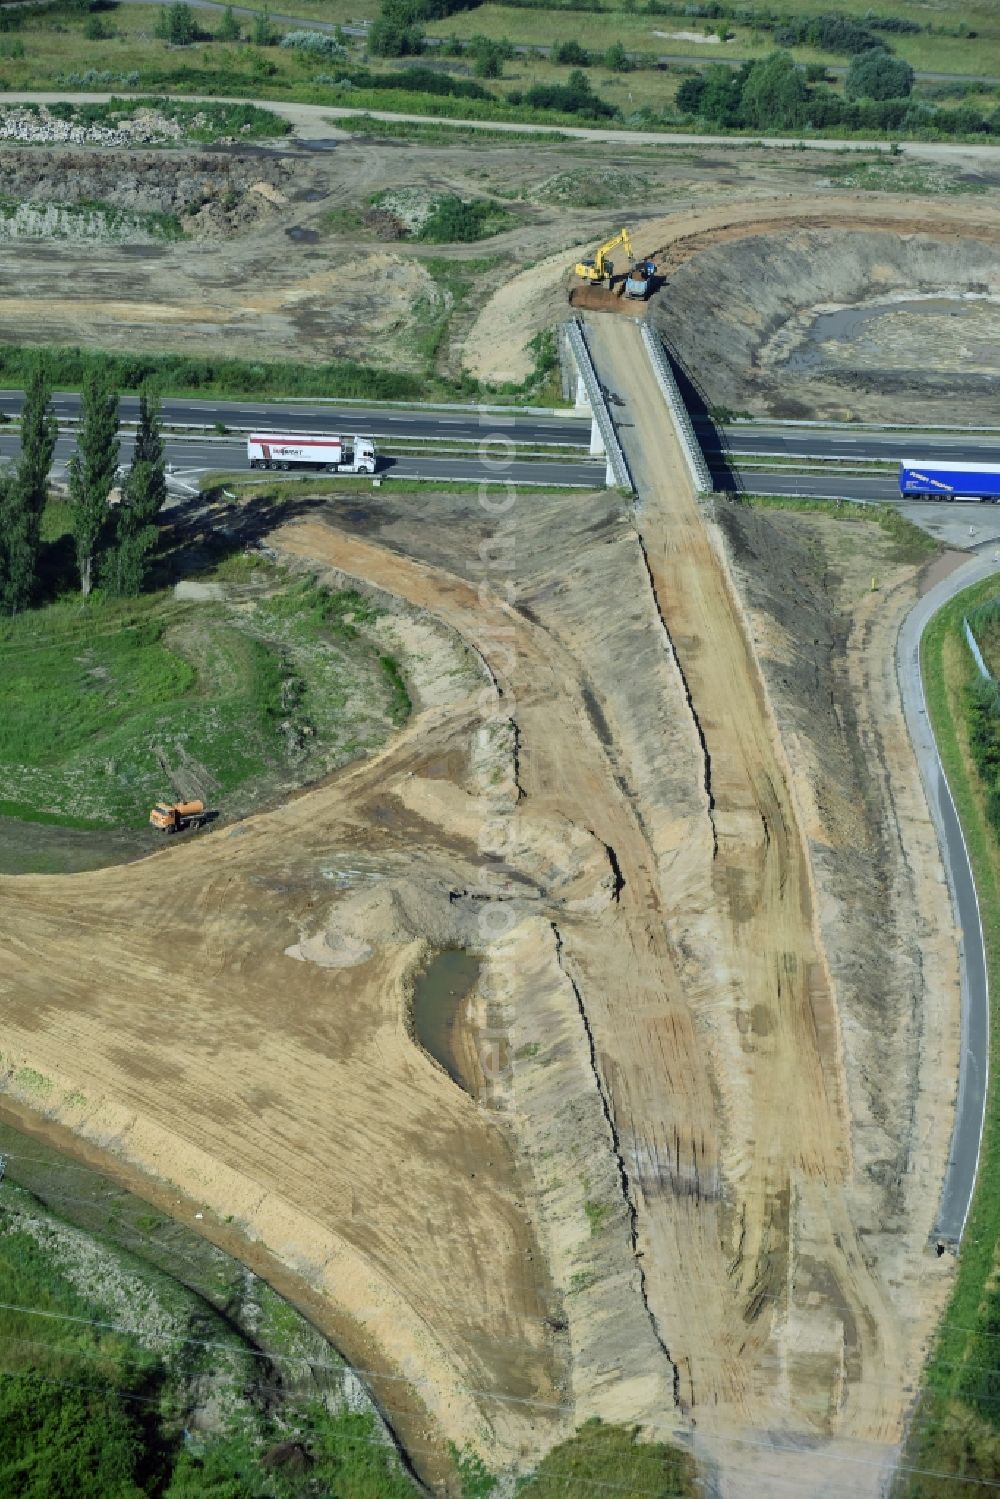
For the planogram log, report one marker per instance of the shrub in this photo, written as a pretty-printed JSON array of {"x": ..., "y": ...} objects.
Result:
[
  {"x": 574, "y": 97},
  {"x": 773, "y": 97},
  {"x": 830, "y": 33},
  {"x": 393, "y": 35},
  {"x": 878, "y": 75},
  {"x": 897, "y": 24},
  {"x": 229, "y": 27},
  {"x": 571, "y": 54},
  {"x": 316, "y": 43},
  {"x": 175, "y": 24},
  {"x": 261, "y": 33},
  {"x": 690, "y": 95},
  {"x": 617, "y": 59},
  {"x": 454, "y": 220},
  {"x": 488, "y": 57}
]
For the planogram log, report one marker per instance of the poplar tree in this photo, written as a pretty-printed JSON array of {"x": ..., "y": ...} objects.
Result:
[
  {"x": 22, "y": 498},
  {"x": 143, "y": 494},
  {"x": 92, "y": 472}
]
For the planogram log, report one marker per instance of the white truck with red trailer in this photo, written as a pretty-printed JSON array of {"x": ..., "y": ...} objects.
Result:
[{"x": 307, "y": 450}]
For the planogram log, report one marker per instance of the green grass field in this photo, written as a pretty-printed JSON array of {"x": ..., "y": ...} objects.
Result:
[
  {"x": 98, "y": 699},
  {"x": 51, "y": 50},
  {"x": 956, "y": 1429}
]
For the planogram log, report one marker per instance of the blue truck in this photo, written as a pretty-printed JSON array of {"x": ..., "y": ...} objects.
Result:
[{"x": 950, "y": 481}]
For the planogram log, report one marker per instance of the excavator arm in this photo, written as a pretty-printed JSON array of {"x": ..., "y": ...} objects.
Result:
[{"x": 601, "y": 267}]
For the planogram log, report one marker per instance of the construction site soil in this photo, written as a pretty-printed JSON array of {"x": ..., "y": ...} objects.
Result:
[
  {"x": 657, "y": 782},
  {"x": 745, "y": 286},
  {"x": 285, "y": 252},
  {"x": 696, "y": 1188}
]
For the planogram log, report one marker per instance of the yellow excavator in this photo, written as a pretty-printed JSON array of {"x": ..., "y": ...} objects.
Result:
[{"x": 601, "y": 268}]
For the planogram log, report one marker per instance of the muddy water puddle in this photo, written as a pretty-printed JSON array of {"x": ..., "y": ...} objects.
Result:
[
  {"x": 441, "y": 1020},
  {"x": 856, "y": 326}
]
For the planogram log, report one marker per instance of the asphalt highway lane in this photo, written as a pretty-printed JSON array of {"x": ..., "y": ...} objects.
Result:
[
  {"x": 192, "y": 457},
  {"x": 347, "y": 419},
  {"x": 970, "y": 1108}
]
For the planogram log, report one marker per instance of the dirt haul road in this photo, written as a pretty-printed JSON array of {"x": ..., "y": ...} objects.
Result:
[{"x": 802, "y": 1333}]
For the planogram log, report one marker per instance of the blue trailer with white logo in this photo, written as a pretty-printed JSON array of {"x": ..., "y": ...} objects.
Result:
[{"x": 949, "y": 481}]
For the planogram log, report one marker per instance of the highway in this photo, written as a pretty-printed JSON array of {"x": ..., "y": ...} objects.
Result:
[
  {"x": 487, "y": 432},
  {"x": 834, "y": 442},
  {"x": 527, "y": 428},
  {"x": 963, "y": 1155},
  {"x": 190, "y": 458},
  {"x": 380, "y": 421},
  {"x": 829, "y": 485}
]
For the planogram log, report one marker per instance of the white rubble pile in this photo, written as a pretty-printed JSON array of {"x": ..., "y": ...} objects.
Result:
[{"x": 40, "y": 127}]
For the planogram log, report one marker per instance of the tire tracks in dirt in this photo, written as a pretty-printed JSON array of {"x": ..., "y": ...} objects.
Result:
[{"x": 817, "y": 1334}]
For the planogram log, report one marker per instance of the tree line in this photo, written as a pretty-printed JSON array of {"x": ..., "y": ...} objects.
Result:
[
  {"x": 113, "y": 544},
  {"x": 775, "y": 93}
]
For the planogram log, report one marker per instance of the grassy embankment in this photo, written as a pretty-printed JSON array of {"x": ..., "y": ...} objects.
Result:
[
  {"x": 344, "y": 379},
  {"x": 956, "y": 1428},
  {"x": 911, "y": 543},
  {"x": 99, "y": 702}
]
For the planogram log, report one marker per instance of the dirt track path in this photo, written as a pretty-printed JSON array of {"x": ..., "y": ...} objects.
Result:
[{"x": 817, "y": 1336}]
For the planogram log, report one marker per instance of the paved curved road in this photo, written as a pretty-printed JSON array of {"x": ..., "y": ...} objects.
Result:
[{"x": 963, "y": 1155}]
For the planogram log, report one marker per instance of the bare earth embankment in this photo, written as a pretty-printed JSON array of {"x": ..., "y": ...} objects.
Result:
[
  {"x": 686, "y": 1196},
  {"x": 805, "y": 1230}
]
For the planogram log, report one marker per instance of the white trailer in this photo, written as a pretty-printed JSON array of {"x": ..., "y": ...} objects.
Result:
[{"x": 306, "y": 450}]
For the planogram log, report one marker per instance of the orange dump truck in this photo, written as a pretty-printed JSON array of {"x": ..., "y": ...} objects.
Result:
[{"x": 173, "y": 817}]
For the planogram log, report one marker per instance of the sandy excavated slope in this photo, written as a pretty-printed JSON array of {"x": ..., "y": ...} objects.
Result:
[
  {"x": 806, "y": 1330},
  {"x": 664, "y": 1207}
]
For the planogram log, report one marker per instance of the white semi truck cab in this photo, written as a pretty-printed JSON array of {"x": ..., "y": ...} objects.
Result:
[{"x": 303, "y": 450}]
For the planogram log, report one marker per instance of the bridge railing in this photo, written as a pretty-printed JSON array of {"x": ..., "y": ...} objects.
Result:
[
  {"x": 617, "y": 469},
  {"x": 686, "y": 435}
]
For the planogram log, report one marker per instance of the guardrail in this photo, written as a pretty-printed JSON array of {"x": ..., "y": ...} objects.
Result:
[
  {"x": 977, "y": 654},
  {"x": 617, "y": 470},
  {"x": 690, "y": 447}
]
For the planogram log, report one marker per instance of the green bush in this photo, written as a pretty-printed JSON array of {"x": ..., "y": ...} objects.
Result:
[
  {"x": 67, "y": 1443},
  {"x": 261, "y": 33},
  {"x": 617, "y": 59},
  {"x": 603, "y": 1457},
  {"x": 489, "y": 56},
  {"x": 571, "y": 54},
  {"x": 175, "y": 24},
  {"x": 316, "y": 43},
  {"x": 878, "y": 75},
  {"x": 456, "y": 220},
  {"x": 982, "y": 716},
  {"x": 575, "y": 97},
  {"x": 183, "y": 372},
  {"x": 229, "y": 27}
]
